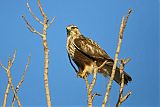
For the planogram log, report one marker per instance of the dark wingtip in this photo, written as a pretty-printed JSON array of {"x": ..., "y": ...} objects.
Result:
[{"x": 127, "y": 78}]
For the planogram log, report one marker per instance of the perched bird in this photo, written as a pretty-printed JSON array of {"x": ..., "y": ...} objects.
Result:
[{"x": 86, "y": 52}]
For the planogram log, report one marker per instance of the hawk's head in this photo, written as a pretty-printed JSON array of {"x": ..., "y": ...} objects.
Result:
[{"x": 72, "y": 30}]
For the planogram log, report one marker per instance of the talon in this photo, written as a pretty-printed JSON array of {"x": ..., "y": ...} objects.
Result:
[
  {"x": 79, "y": 74},
  {"x": 85, "y": 76},
  {"x": 82, "y": 75}
]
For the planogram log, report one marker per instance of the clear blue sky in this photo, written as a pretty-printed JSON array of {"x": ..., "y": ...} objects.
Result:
[{"x": 97, "y": 19}]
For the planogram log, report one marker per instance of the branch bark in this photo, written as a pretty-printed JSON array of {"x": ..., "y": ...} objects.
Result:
[
  {"x": 35, "y": 17},
  {"x": 121, "y": 99},
  {"x": 10, "y": 85},
  {"x": 45, "y": 45},
  {"x": 33, "y": 30},
  {"x": 92, "y": 84},
  {"x": 122, "y": 27},
  {"x": 21, "y": 81}
]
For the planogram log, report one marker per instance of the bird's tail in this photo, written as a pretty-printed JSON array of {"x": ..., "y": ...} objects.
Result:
[{"x": 107, "y": 70}]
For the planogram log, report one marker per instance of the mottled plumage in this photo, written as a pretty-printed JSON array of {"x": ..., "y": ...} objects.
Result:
[{"x": 84, "y": 52}]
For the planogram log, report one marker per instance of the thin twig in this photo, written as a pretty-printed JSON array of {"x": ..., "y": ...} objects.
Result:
[
  {"x": 21, "y": 81},
  {"x": 41, "y": 10},
  {"x": 6, "y": 95},
  {"x": 35, "y": 17},
  {"x": 122, "y": 27},
  {"x": 101, "y": 66},
  {"x": 15, "y": 94},
  {"x": 14, "y": 57},
  {"x": 87, "y": 83},
  {"x": 121, "y": 98},
  {"x": 10, "y": 63},
  {"x": 51, "y": 22},
  {"x": 92, "y": 84},
  {"x": 90, "y": 101},
  {"x": 30, "y": 27},
  {"x": 126, "y": 96},
  {"x": 122, "y": 78},
  {"x": 95, "y": 94},
  {"x": 45, "y": 46},
  {"x": 3, "y": 66}
]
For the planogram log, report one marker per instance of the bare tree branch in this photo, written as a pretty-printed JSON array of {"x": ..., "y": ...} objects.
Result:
[
  {"x": 21, "y": 81},
  {"x": 126, "y": 96},
  {"x": 30, "y": 27},
  {"x": 13, "y": 58},
  {"x": 87, "y": 83},
  {"x": 51, "y": 22},
  {"x": 15, "y": 94},
  {"x": 35, "y": 17},
  {"x": 95, "y": 94},
  {"x": 122, "y": 27},
  {"x": 90, "y": 101},
  {"x": 45, "y": 46},
  {"x": 10, "y": 63},
  {"x": 41, "y": 10},
  {"x": 92, "y": 84},
  {"x": 3, "y": 66},
  {"x": 121, "y": 99},
  {"x": 6, "y": 95}
]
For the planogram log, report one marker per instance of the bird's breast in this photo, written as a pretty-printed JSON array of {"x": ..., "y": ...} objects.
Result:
[{"x": 70, "y": 46}]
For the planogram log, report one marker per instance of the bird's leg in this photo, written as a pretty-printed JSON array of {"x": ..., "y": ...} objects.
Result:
[{"x": 82, "y": 74}]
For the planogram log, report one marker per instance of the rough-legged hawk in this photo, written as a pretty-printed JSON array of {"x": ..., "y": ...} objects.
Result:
[{"x": 84, "y": 52}]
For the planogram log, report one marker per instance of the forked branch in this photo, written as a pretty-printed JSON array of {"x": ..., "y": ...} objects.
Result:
[
  {"x": 92, "y": 84},
  {"x": 21, "y": 81},
  {"x": 10, "y": 85},
  {"x": 35, "y": 17},
  {"x": 122, "y": 27},
  {"x": 45, "y": 44},
  {"x": 121, "y": 99},
  {"x": 30, "y": 27}
]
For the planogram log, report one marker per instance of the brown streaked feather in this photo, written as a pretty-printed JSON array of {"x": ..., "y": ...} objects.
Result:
[
  {"x": 91, "y": 48},
  {"x": 107, "y": 71},
  {"x": 93, "y": 51},
  {"x": 81, "y": 60}
]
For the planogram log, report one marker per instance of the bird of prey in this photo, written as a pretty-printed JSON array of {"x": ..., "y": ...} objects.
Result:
[{"x": 85, "y": 52}]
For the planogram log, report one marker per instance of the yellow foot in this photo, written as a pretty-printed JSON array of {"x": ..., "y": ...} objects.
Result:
[{"x": 82, "y": 74}]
